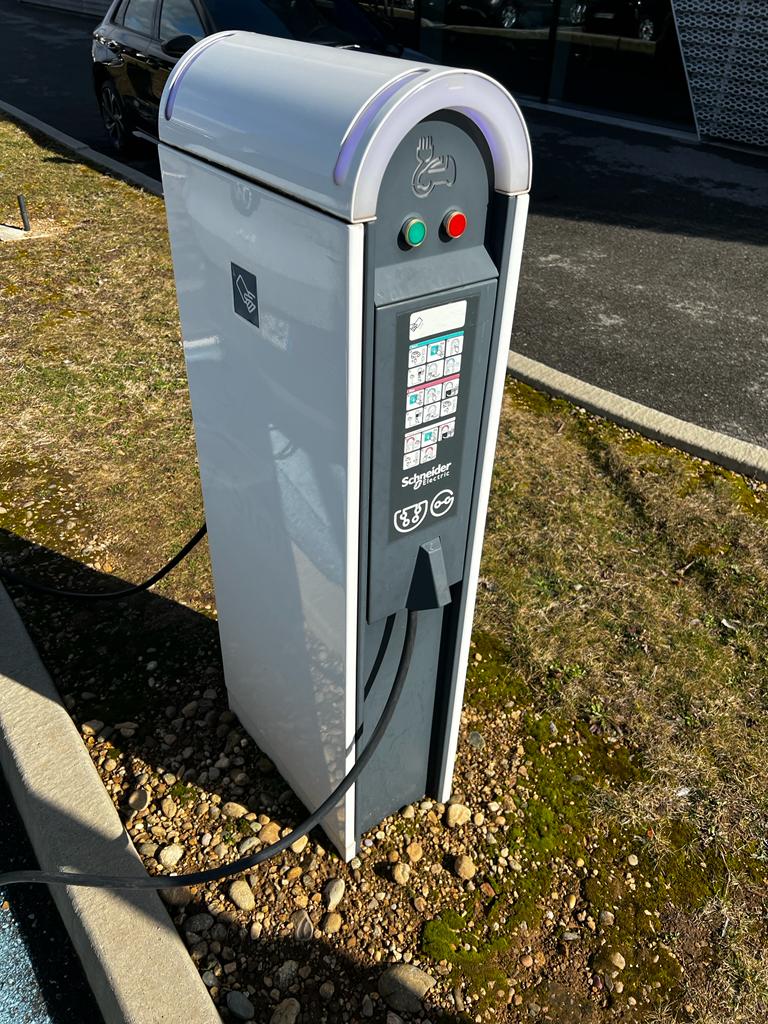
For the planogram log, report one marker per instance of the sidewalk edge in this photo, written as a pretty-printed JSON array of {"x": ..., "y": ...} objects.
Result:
[
  {"x": 134, "y": 959},
  {"x": 727, "y": 451},
  {"x": 100, "y": 160}
]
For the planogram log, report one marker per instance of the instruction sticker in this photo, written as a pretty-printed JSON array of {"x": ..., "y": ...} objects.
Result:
[
  {"x": 244, "y": 294},
  {"x": 427, "y": 322}
]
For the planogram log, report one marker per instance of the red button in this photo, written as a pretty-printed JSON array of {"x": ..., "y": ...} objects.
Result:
[{"x": 455, "y": 224}]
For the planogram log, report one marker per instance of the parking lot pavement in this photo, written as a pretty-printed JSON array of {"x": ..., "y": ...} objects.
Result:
[
  {"x": 644, "y": 272},
  {"x": 41, "y": 980},
  {"x": 646, "y": 256},
  {"x": 45, "y": 70}
]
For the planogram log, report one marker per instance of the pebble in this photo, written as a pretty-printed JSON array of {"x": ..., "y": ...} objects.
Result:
[
  {"x": 300, "y": 845},
  {"x": 414, "y": 852},
  {"x": 270, "y": 833},
  {"x": 286, "y": 1012},
  {"x": 409, "y": 812},
  {"x": 168, "y": 806},
  {"x": 240, "y": 1006},
  {"x": 464, "y": 867},
  {"x": 92, "y": 728},
  {"x": 256, "y": 930},
  {"x": 139, "y": 800},
  {"x": 241, "y": 895},
  {"x": 170, "y": 856},
  {"x": 476, "y": 740},
  {"x": 326, "y": 990},
  {"x": 248, "y": 844},
  {"x": 333, "y": 893},
  {"x": 233, "y": 810},
  {"x": 147, "y": 849},
  {"x": 618, "y": 961},
  {"x": 303, "y": 929},
  {"x": 331, "y": 923},
  {"x": 404, "y": 986},
  {"x": 632, "y": 860},
  {"x": 606, "y": 918},
  {"x": 456, "y": 815},
  {"x": 527, "y": 960},
  {"x": 110, "y": 764},
  {"x": 178, "y": 896},
  {"x": 401, "y": 873},
  {"x": 199, "y": 923},
  {"x": 286, "y": 974},
  {"x": 366, "y": 1006}
]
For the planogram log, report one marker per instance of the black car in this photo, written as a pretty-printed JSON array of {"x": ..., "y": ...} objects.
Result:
[
  {"x": 639, "y": 19},
  {"x": 139, "y": 41},
  {"x": 498, "y": 13}
]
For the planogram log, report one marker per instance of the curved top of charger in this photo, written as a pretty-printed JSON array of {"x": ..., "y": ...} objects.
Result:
[{"x": 321, "y": 123}]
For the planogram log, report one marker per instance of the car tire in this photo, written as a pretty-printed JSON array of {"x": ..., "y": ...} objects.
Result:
[
  {"x": 646, "y": 30},
  {"x": 508, "y": 16},
  {"x": 113, "y": 116}
]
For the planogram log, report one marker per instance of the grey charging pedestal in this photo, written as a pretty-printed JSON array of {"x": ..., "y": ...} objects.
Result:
[{"x": 347, "y": 232}]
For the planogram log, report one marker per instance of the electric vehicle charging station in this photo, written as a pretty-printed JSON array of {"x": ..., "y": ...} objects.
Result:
[{"x": 346, "y": 231}]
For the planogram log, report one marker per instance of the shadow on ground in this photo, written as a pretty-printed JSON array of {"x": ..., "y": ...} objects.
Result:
[{"x": 139, "y": 660}]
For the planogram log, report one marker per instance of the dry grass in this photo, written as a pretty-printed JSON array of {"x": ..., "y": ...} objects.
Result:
[
  {"x": 626, "y": 580},
  {"x": 94, "y": 410},
  {"x": 629, "y": 582}
]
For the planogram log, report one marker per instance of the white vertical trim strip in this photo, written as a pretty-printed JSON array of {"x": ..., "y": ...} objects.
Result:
[
  {"x": 497, "y": 394},
  {"x": 355, "y": 282}
]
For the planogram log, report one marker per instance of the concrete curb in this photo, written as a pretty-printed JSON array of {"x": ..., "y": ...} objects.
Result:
[
  {"x": 100, "y": 160},
  {"x": 133, "y": 958},
  {"x": 749, "y": 459}
]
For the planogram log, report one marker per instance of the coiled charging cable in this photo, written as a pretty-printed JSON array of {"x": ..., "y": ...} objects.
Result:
[
  {"x": 245, "y": 863},
  {"x": 110, "y": 595}
]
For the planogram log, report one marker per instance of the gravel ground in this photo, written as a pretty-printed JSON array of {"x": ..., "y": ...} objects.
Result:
[{"x": 307, "y": 935}]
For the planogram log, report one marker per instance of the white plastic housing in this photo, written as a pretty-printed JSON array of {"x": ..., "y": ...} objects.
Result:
[
  {"x": 272, "y": 153},
  {"x": 320, "y": 123}
]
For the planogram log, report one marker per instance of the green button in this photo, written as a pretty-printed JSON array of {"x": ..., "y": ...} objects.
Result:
[{"x": 414, "y": 231}]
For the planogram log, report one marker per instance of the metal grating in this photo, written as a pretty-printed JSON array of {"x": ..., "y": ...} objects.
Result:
[{"x": 725, "y": 51}]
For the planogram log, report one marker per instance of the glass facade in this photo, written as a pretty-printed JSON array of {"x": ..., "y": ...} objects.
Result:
[{"x": 617, "y": 56}]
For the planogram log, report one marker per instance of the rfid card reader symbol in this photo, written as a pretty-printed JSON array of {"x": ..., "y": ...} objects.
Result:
[
  {"x": 244, "y": 294},
  {"x": 442, "y": 502}
]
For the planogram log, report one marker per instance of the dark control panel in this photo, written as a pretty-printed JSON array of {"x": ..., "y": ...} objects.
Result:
[
  {"x": 430, "y": 370},
  {"x": 435, "y": 292},
  {"x": 428, "y": 364}
]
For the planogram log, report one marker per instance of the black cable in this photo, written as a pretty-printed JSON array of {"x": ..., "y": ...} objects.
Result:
[
  {"x": 246, "y": 863},
  {"x": 79, "y": 595}
]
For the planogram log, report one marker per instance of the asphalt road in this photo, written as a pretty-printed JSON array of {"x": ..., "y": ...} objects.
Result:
[{"x": 646, "y": 259}]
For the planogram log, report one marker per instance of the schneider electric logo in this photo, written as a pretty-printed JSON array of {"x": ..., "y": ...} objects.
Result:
[{"x": 417, "y": 480}]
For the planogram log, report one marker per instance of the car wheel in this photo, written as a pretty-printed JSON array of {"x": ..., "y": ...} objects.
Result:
[
  {"x": 113, "y": 116},
  {"x": 646, "y": 30},
  {"x": 508, "y": 16}
]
